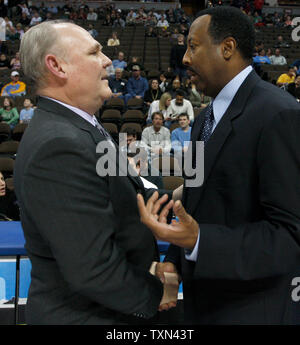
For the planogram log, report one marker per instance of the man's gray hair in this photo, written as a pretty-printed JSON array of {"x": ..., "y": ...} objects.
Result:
[{"x": 36, "y": 43}]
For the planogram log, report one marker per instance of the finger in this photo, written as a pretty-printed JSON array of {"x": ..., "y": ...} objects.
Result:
[
  {"x": 159, "y": 203},
  {"x": 165, "y": 211},
  {"x": 180, "y": 212},
  {"x": 151, "y": 201}
]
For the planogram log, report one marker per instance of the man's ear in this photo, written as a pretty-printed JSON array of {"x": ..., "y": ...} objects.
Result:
[
  {"x": 55, "y": 66},
  {"x": 228, "y": 47}
]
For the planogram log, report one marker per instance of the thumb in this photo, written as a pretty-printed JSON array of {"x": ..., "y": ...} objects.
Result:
[{"x": 180, "y": 212}]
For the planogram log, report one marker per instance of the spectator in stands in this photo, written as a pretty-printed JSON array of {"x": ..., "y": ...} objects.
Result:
[
  {"x": 286, "y": 78},
  {"x": 178, "y": 106},
  {"x": 10, "y": 29},
  {"x": 176, "y": 56},
  {"x": 119, "y": 22},
  {"x": 258, "y": 5},
  {"x": 27, "y": 112},
  {"x": 156, "y": 138},
  {"x": 118, "y": 85},
  {"x": 130, "y": 18},
  {"x": 92, "y": 31},
  {"x": 24, "y": 20},
  {"x": 294, "y": 88},
  {"x": 131, "y": 145},
  {"x": 181, "y": 135},
  {"x": 175, "y": 34},
  {"x": 153, "y": 93},
  {"x": 15, "y": 87},
  {"x": 261, "y": 58},
  {"x": 281, "y": 43},
  {"x": 135, "y": 61},
  {"x": 162, "y": 22},
  {"x": 137, "y": 85},
  {"x": 9, "y": 114},
  {"x": 184, "y": 19},
  {"x": 9, "y": 209},
  {"x": 24, "y": 8},
  {"x": 119, "y": 62},
  {"x": 150, "y": 21},
  {"x": 4, "y": 63},
  {"x": 198, "y": 99},
  {"x": 277, "y": 58},
  {"x": 174, "y": 86},
  {"x": 276, "y": 20},
  {"x": 15, "y": 63},
  {"x": 82, "y": 15},
  {"x": 160, "y": 106},
  {"x": 150, "y": 32},
  {"x": 113, "y": 41},
  {"x": 183, "y": 30},
  {"x": 92, "y": 15},
  {"x": 73, "y": 15},
  {"x": 164, "y": 82},
  {"x": 36, "y": 19},
  {"x": 288, "y": 22},
  {"x": 19, "y": 30}
]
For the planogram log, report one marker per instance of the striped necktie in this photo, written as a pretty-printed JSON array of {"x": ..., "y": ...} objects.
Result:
[{"x": 101, "y": 129}]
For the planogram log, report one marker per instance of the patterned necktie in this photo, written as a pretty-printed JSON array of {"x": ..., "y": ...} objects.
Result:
[{"x": 208, "y": 124}]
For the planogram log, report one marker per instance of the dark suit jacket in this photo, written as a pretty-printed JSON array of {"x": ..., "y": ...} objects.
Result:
[
  {"x": 248, "y": 210},
  {"x": 90, "y": 254}
]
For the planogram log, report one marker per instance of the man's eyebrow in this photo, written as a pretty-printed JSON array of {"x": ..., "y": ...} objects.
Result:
[{"x": 95, "y": 47}]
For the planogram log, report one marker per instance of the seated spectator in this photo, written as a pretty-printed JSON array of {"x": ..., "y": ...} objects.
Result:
[
  {"x": 9, "y": 209},
  {"x": 36, "y": 19},
  {"x": 130, "y": 18},
  {"x": 131, "y": 145},
  {"x": 150, "y": 32},
  {"x": 92, "y": 31},
  {"x": 3, "y": 47},
  {"x": 25, "y": 20},
  {"x": 15, "y": 87},
  {"x": 197, "y": 99},
  {"x": 15, "y": 63},
  {"x": 136, "y": 85},
  {"x": 281, "y": 43},
  {"x": 269, "y": 53},
  {"x": 176, "y": 55},
  {"x": 162, "y": 22},
  {"x": 286, "y": 78},
  {"x": 294, "y": 88},
  {"x": 92, "y": 15},
  {"x": 113, "y": 41},
  {"x": 9, "y": 114},
  {"x": 119, "y": 62},
  {"x": 153, "y": 93},
  {"x": 150, "y": 21},
  {"x": 156, "y": 138},
  {"x": 178, "y": 106},
  {"x": 277, "y": 58},
  {"x": 82, "y": 15},
  {"x": 181, "y": 136},
  {"x": 4, "y": 63},
  {"x": 19, "y": 31},
  {"x": 160, "y": 106},
  {"x": 117, "y": 84},
  {"x": 288, "y": 22},
  {"x": 175, "y": 34},
  {"x": 183, "y": 30},
  {"x": 164, "y": 82},
  {"x": 174, "y": 86},
  {"x": 119, "y": 22},
  {"x": 27, "y": 112},
  {"x": 107, "y": 21},
  {"x": 261, "y": 58},
  {"x": 184, "y": 19},
  {"x": 10, "y": 29},
  {"x": 134, "y": 61},
  {"x": 276, "y": 20}
]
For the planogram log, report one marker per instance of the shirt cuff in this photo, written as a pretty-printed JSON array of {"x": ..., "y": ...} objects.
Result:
[{"x": 192, "y": 255}]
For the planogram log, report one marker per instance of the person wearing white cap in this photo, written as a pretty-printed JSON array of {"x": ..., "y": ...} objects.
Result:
[{"x": 15, "y": 87}]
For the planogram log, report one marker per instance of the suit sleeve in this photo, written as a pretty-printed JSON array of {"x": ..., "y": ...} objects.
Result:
[
  {"x": 269, "y": 247},
  {"x": 80, "y": 228}
]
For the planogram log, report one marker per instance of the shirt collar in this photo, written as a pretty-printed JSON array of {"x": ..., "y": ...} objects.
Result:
[
  {"x": 86, "y": 116},
  {"x": 226, "y": 95}
]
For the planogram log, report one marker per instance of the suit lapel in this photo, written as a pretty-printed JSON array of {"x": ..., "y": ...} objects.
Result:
[
  {"x": 218, "y": 138},
  {"x": 60, "y": 110}
]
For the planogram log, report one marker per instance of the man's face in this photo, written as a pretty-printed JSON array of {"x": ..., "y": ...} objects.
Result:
[
  {"x": 277, "y": 52},
  {"x": 27, "y": 103},
  {"x": 291, "y": 72},
  {"x": 204, "y": 57},
  {"x": 179, "y": 100},
  {"x": 85, "y": 68},
  {"x": 121, "y": 56},
  {"x": 15, "y": 78},
  {"x": 157, "y": 121},
  {"x": 130, "y": 139},
  {"x": 297, "y": 81},
  {"x": 136, "y": 73},
  {"x": 183, "y": 122},
  {"x": 118, "y": 74}
]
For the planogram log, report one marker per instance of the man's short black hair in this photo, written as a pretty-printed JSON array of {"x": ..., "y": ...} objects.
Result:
[
  {"x": 131, "y": 131},
  {"x": 183, "y": 115},
  {"x": 179, "y": 92},
  {"x": 227, "y": 21}
]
